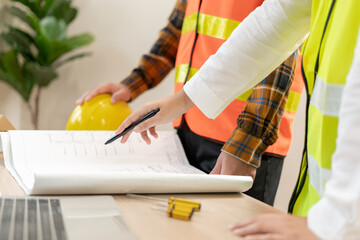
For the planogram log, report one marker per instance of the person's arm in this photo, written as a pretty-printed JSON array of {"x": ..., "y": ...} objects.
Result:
[
  {"x": 337, "y": 214},
  {"x": 259, "y": 121},
  {"x": 257, "y": 46},
  {"x": 153, "y": 67}
]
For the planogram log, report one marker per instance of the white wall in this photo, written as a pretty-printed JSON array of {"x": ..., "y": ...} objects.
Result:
[{"x": 123, "y": 30}]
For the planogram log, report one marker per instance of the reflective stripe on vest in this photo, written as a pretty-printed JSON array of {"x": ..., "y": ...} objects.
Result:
[
  {"x": 215, "y": 22},
  {"x": 334, "y": 54},
  {"x": 210, "y": 25},
  {"x": 318, "y": 176},
  {"x": 326, "y": 97}
]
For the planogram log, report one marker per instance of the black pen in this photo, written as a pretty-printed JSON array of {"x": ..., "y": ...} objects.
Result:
[{"x": 134, "y": 124}]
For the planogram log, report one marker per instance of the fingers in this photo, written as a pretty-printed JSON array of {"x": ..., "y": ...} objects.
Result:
[
  {"x": 139, "y": 129},
  {"x": 123, "y": 94},
  {"x": 146, "y": 125},
  {"x": 241, "y": 224},
  {"x": 134, "y": 117},
  {"x": 270, "y": 236},
  {"x": 153, "y": 132},
  {"x": 150, "y": 123},
  {"x": 145, "y": 137},
  {"x": 81, "y": 100},
  {"x": 264, "y": 224},
  {"x": 125, "y": 137},
  {"x": 143, "y": 134},
  {"x": 217, "y": 168},
  {"x": 105, "y": 88},
  {"x": 99, "y": 90},
  {"x": 169, "y": 111},
  {"x": 253, "y": 227},
  {"x": 274, "y": 226},
  {"x": 119, "y": 93},
  {"x": 117, "y": 96}
]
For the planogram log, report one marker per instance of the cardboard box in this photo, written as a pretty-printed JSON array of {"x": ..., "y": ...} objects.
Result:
[{"x": 5, "y": 126}]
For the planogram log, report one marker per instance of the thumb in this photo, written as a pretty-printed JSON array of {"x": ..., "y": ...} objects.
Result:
[
  {"x": 217, "y": 168},
  {"x": 120, "y": 95}
]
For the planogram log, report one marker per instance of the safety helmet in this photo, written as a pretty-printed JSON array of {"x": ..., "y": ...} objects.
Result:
[{"x": 98, "y": 114}]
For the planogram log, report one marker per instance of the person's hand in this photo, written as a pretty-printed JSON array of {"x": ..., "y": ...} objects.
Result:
[
  {"x": 227, "y": 164},
  {"x": 273, "y": 226},
  {"x": 118, "y": 91},
  {"x": 170, "y": 109}
]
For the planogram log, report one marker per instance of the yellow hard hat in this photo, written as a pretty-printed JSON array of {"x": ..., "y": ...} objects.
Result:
[{"x": 98, "y": 114}]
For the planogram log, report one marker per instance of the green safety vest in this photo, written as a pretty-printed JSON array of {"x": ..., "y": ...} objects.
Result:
[{"x": 327, "y": 58}]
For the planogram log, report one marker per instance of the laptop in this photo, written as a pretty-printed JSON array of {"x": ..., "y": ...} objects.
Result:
[{"x": 61, "y": 218}]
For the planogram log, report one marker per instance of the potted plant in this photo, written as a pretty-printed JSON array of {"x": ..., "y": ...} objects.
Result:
[{"x": 38, "y": 47}]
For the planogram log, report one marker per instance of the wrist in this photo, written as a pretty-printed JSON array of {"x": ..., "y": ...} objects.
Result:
[
  {"x": 185, "y": 101},
  {"x": 233, "y": 166}
]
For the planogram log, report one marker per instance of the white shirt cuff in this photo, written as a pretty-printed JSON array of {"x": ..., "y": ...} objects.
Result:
[{"x": 207, "y": 101}]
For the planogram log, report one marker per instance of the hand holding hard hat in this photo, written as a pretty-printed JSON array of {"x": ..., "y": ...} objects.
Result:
[{"x": 118, "y": 91}]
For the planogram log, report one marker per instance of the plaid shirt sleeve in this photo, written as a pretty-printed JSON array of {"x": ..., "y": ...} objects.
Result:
[
  {"x": 259, "y": 121},
  {"x": 155, "y": 65}
]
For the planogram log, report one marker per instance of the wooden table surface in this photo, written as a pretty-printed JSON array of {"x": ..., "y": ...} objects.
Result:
[{"x": 218, "y": 211}]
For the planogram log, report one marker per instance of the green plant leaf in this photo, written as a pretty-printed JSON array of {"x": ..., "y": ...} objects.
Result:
[
  {"x": 48, "y": 19},
  {"x": 28, "y": 18},
  {"x": 48, "y": 5},
  {"x": 1, "y": 60},
  {"x": 53, "y": 29},
  {"x": 79, "y": 41},
  {"x": 70, "y": 44},
  {"x": 34, "y": 22},
  {"x": 65, "y": 12},
  {"x": 11, "y": 64},
  {"x": 69, "y": 59},
  {"x": 68, "y": 15},
  {"x": 22, "y": 33},
  {"x": 62, "y": 9},
  {"x": 19, "y": 41},
  {"x": 22, "y": 15},
  {"x": 42, "y": 75},
  {"x": 34, "y": 6},
  {"x": 11, "y": 73},
  {"x": 24, "y": 92},
  {"x": 50, "y": 51},
  {"x": 54, "y": 6}
]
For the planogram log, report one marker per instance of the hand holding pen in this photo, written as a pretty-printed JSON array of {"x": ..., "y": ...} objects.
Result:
[
  {"x": 133, "y": 125},
  {"x": 170, "y": 108}
]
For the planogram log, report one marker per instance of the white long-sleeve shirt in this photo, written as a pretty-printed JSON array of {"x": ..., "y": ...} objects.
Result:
[{"x": 264, "y": 40}]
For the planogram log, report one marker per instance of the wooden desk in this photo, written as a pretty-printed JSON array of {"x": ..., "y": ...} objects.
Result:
[{"x": 218, "y": 211}]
